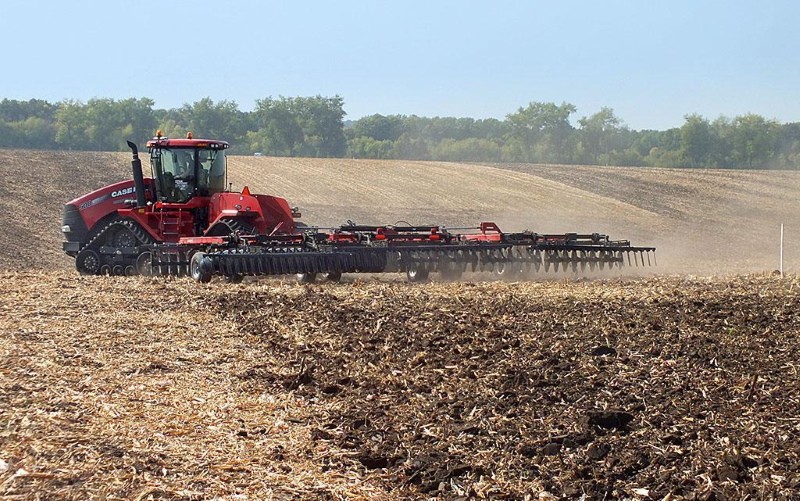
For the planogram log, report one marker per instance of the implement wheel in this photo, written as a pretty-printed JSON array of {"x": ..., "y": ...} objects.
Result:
[
  {"x": 334, "y": 276},
  {"x": 306, "y": 278},
  {"x": 201, "y": 268},
  {"x": 415, "y": 273},
  {"x": 144, "y": 264},
  {"x": 507, "y": 270}
]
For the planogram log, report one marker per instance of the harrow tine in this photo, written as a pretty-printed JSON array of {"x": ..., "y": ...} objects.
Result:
[
  {"x": 648, "y": 259},
  {"x": 655, "y": 263}
]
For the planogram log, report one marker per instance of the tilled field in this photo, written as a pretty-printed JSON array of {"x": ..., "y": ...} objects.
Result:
[{"x": 678, "y": 388}]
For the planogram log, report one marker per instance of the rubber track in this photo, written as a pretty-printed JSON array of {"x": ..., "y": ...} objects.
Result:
[{"x": 100, "y": 237}]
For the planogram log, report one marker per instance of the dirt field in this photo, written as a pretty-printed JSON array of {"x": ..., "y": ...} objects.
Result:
[
  {"x": 665, "y": 385},
  {"x": 152, "y": 388}
]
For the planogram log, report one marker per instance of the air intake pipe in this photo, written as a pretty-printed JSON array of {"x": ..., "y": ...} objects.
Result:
[{"x": 138, "y": 177}]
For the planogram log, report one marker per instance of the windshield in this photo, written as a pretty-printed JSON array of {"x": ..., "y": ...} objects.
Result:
[{"x": 182, "y": 173}]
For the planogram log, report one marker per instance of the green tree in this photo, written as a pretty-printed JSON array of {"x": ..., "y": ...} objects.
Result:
[
  {"x": 34, "y": 132},
  {"x": 788, "y": 148},
  {"x": 541, "y": 131},
  {"x": 753, "y": 140},
  {"x": 17, "y": 111},
  {"x": 304, "y": 126},
  {"x": 379, "y": 127},
  {"x": 279, "y": 133},
  {"x": 471, "y": 149},
  {"x": 697, "y": 141},
  {"x": 321, "y": 120},
  {"x": 221, "y": 120},
  {"x": 72, "y": 124},
  {"x": 367, "y": 147},
  {"x": 599, "y": 134},
  {"x": 410, "y": 147}
]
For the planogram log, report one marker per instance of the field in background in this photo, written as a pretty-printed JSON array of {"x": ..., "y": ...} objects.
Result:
[{"x": 702, "y": 221}]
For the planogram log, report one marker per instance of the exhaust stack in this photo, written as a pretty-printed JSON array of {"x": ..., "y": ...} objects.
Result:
[{"x": 138, "y": 177}]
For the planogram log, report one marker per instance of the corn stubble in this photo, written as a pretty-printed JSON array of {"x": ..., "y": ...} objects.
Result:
[{"x": 151, "y": 388}]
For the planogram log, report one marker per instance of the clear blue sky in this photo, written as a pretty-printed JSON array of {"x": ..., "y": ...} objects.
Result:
[{"x": 652, "y": 62}]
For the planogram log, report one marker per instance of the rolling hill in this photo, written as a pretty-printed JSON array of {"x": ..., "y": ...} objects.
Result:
[{"x": 702, "y": 221}]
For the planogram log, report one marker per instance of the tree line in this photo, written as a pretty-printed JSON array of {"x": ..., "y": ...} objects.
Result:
[{"x": 541, "y": 132}]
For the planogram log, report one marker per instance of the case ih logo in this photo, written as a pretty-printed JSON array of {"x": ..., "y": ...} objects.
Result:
[{"x": 126, "y": 191}]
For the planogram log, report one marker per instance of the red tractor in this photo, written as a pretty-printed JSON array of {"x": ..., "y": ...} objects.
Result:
[
  {"x": 182, "y": 220},
  {"x": 114, "y": 229}
]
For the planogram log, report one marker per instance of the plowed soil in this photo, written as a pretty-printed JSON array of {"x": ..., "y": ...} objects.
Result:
[{"x": 150, "y": 388}]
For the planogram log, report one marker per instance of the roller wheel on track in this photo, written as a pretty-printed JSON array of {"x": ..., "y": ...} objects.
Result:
[
  {"x": 201, "y": 268},
  {"x": 123, "y": 237},
  {"x": 88, "y": 262}
]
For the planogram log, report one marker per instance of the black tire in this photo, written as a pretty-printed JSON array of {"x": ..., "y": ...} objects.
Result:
[
  {"x": 144, "y": 264},
  {"x": 234, "y": 279},
  {"x": 507, "y": 270},
  {"x": 306, "y": 278},
  {"x": 415, "y": 273},
  {"x": 334, "y": 276},
  {"x": 87, "y": 262},
  {"x": 201, "y": 268}
]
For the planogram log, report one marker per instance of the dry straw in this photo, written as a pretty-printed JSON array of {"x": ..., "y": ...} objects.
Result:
[{"x": 149, "y": 388}]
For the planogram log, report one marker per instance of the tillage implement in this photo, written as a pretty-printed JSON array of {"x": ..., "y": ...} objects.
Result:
[{"x": 185, "y": 220}]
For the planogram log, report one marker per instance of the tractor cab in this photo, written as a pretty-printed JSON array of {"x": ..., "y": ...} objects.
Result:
[{"x": 186, "y": 168}]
